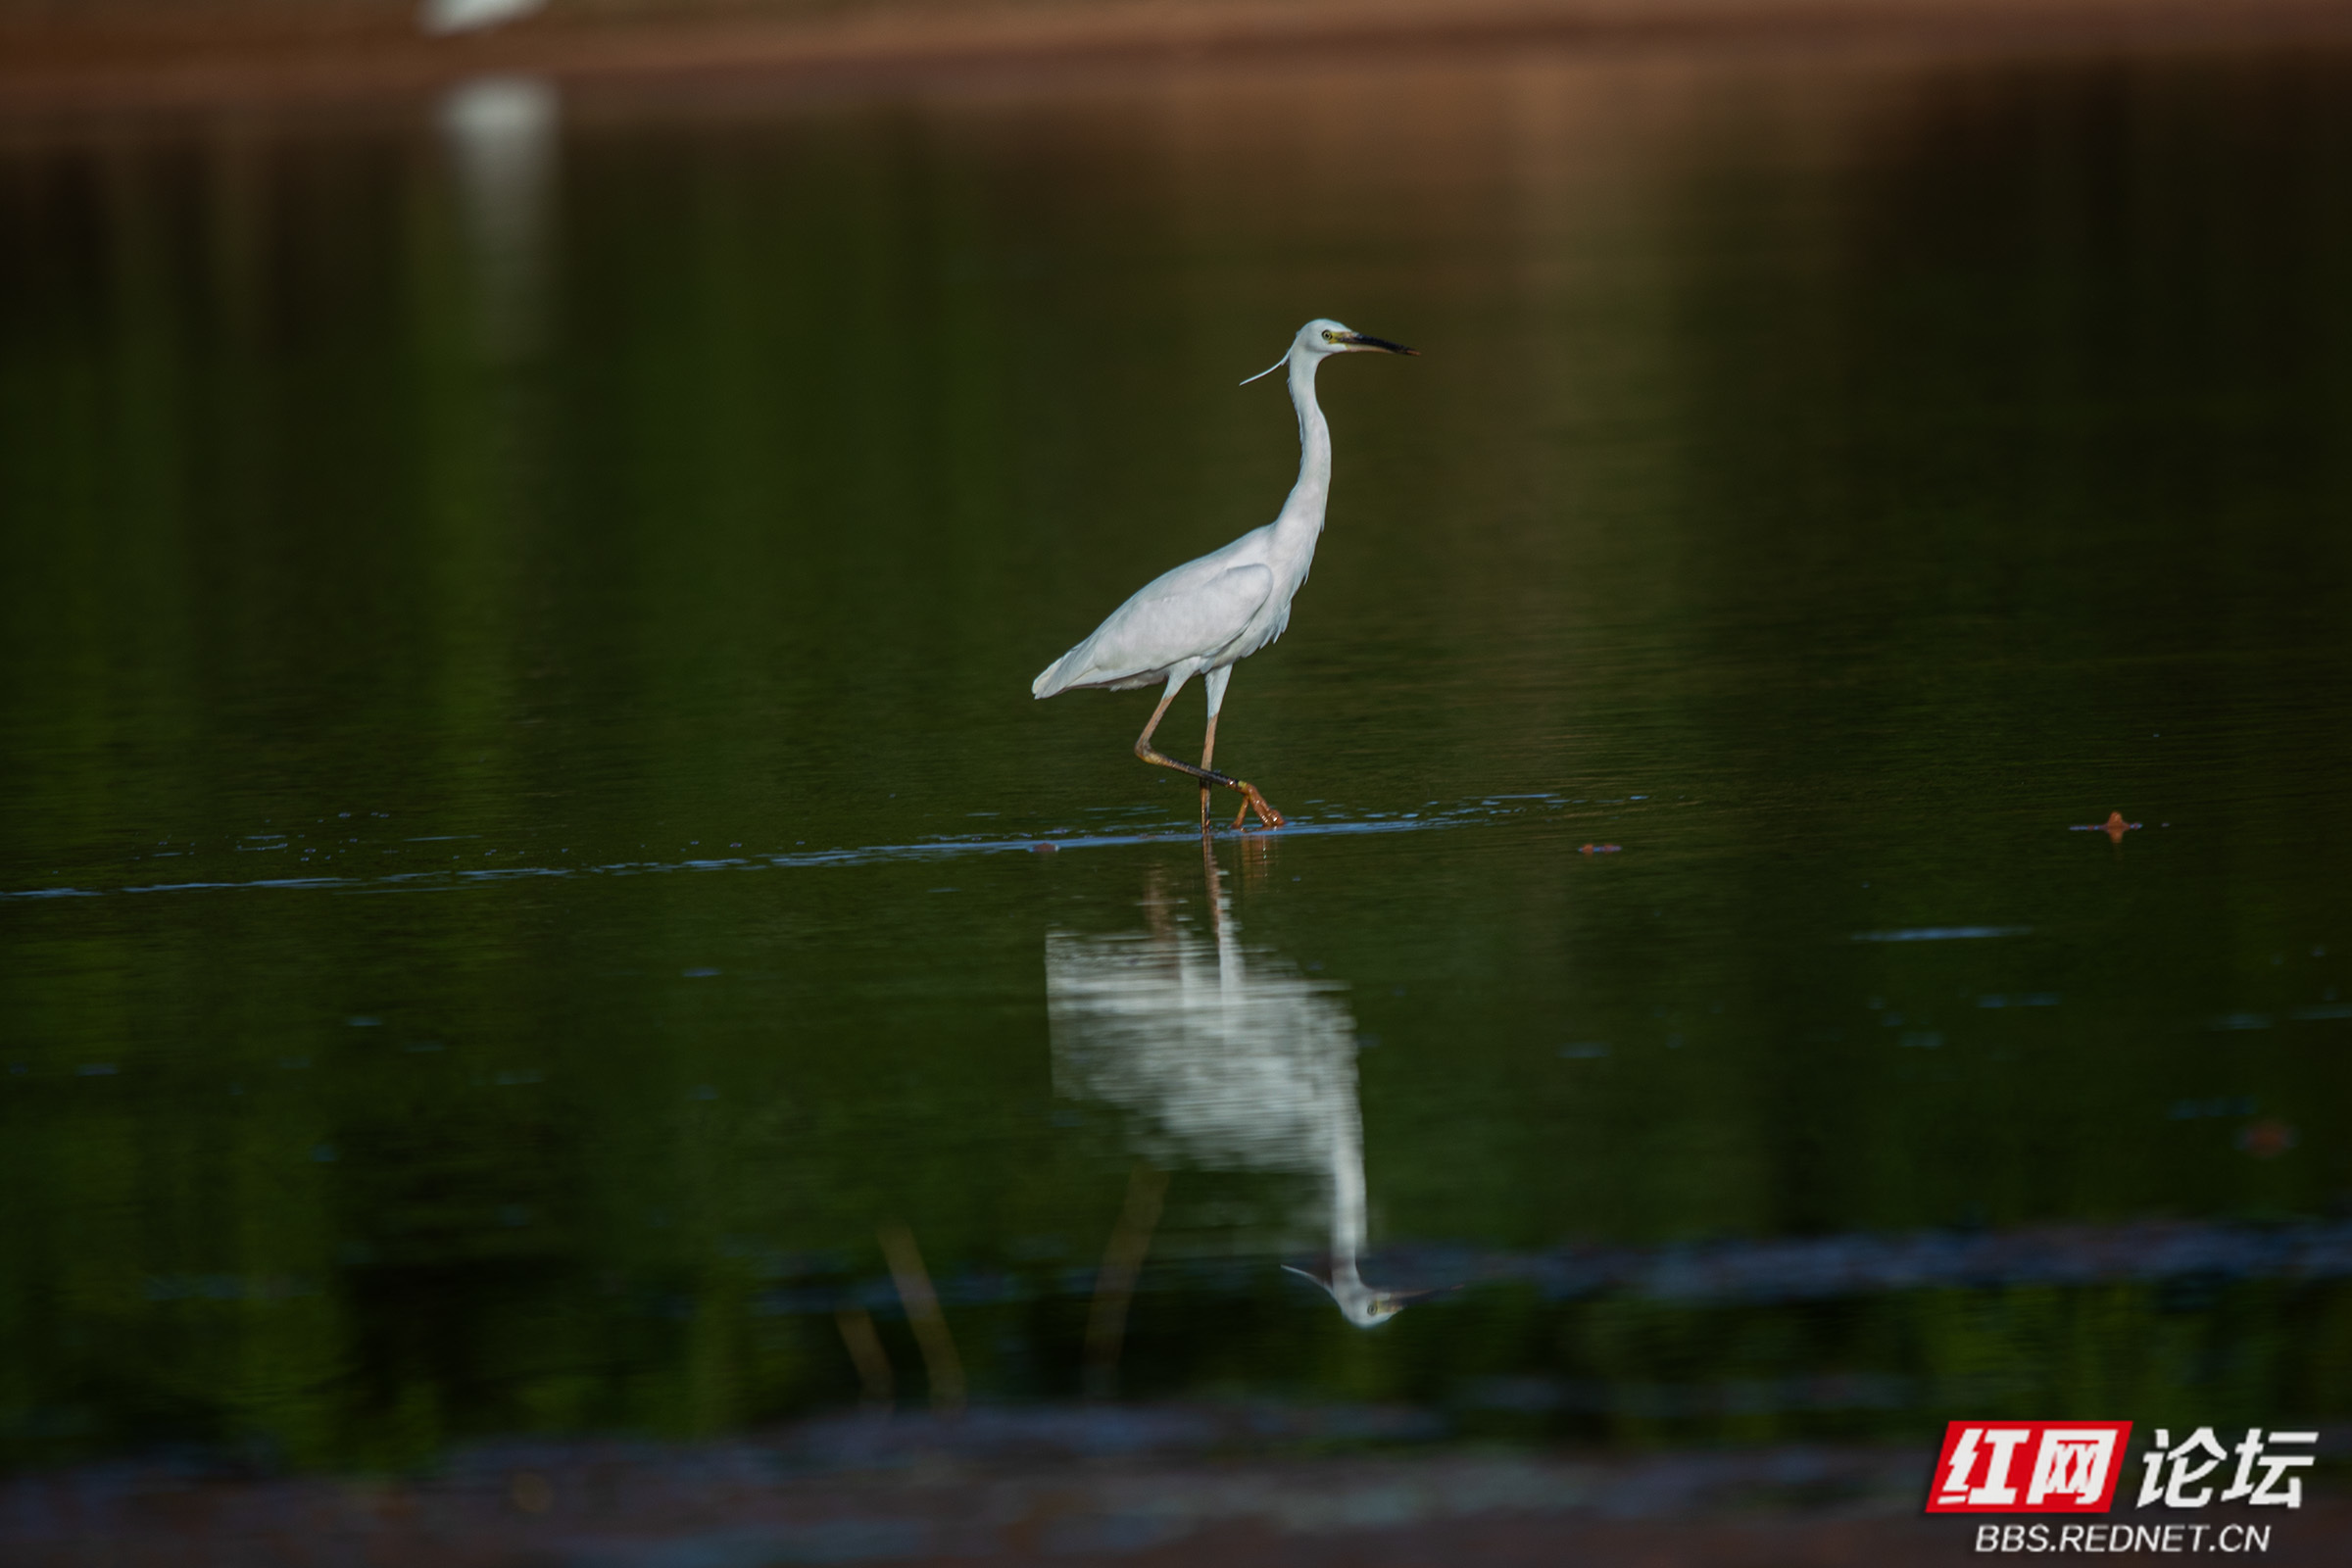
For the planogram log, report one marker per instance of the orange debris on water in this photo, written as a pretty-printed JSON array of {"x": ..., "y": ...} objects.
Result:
[{"x": 2267, "y": 1139}]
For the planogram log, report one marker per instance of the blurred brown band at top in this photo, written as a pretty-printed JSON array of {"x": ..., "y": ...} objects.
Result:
[{"x": 89, "y": 52}]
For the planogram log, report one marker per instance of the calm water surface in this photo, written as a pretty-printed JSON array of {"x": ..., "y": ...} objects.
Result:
[{"x": 530, "y": 850}]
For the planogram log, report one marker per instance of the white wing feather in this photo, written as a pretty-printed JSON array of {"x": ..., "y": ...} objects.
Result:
[{"x": 1194, "y": 613}]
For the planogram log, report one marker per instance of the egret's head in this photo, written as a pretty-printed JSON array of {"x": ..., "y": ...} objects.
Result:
[{"x": 1325, "y": 336}]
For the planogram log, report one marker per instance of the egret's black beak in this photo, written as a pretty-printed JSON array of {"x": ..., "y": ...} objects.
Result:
[{"x": 1359, "y": 340}]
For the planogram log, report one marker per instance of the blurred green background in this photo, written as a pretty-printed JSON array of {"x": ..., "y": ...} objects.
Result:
[{"x": 465, "y": 566}]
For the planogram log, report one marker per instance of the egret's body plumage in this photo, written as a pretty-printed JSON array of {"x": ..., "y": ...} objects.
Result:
[
  {"x": 1206, "y": 615},
  {"x": 1203, "y": 617}
]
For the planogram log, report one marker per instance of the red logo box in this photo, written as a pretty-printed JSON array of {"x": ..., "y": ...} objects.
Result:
[{"x": 2028, "y": 1466}]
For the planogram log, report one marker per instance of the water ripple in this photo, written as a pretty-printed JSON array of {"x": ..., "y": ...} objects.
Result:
[{"x": 1485, "y": 809}]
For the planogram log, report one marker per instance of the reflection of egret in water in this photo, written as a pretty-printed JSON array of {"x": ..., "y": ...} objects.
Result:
[
  {"x": 501, "y": 135},
  {"x": 1227, "y": 1062}
]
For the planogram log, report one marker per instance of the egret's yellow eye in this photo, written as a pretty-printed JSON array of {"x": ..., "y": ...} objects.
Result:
[{"x": 1331, "y": 337}]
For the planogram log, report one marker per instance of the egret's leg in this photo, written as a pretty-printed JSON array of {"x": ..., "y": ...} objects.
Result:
[
  {"x": 1252, "y": 800},
  {"x": 1214, "y": 681},
  {"x": 1209, "y": 749},
  {"x": 1217, "y": 681}
]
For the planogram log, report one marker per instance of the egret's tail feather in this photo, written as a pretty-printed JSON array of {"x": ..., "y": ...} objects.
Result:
[{"x": 1049, "y": 680}]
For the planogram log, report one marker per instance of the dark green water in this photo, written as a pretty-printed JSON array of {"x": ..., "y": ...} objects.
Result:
[{"x": 522, "y": 795}]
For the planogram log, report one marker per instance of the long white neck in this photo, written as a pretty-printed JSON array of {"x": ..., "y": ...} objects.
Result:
[{"x": 1304, "y": 510}]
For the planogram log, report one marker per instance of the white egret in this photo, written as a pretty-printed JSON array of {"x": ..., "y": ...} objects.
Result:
[{"x": 1211, "y": 614}]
